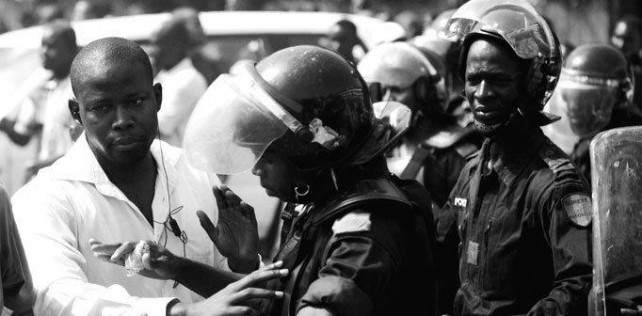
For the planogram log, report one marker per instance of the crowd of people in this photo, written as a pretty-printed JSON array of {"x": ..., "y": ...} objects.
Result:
[{"x": 415, "y": 177}]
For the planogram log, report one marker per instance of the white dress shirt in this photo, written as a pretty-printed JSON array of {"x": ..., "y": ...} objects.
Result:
[
  {"x": 73, "y": 200},
  {"x": 183, "y": 86}
]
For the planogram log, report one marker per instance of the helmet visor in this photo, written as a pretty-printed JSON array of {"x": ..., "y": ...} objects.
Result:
[
  {"x": 516, "y": 21},
  {"x": 232, "y": 125},
  {"x": 587, "y": 106}
]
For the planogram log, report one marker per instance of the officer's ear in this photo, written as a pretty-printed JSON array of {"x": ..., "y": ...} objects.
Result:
[
  {"x": 74, "y": 108},
  {"x": 158, "y": 94}
]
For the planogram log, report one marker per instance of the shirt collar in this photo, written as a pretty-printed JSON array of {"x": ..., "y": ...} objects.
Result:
[
  {"x": 80, "y": 164},
  {"x": 514, "y": 152}
]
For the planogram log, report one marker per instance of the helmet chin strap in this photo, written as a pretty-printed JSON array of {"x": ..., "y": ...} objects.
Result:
[{"x": 491, "y": 131}]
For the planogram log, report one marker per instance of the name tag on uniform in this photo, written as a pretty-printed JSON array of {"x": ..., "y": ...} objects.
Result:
[
  {"x": 460, "y": 202},
  {"x": 472, "y": 252}
]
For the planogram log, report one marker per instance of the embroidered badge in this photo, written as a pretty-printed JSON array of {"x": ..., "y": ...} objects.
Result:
[
  {"x": 578, "y": 207},
  {"x": 352, "y": 222},
  {"x": 472, "y": 252},
  {"x": 460, "y": 202}
]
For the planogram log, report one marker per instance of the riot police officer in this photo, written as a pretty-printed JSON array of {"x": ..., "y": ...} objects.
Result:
[
  {"x": 596, "y": 88},
  {"x": 433, "y": 150},
  {"x": 520, "y": 209},
  {"x": 358, "y": 241}
]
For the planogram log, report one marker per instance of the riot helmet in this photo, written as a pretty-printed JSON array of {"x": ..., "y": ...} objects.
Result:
[
  {"x": 407, "y": 75},
  {"x": 525, "y": 31},
  {"x": 309, "y": 103},
  {"x": 594, "y": 80}
]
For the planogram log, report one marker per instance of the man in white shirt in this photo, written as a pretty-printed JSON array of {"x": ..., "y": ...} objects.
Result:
[
  {"x": 117, "y": 184},
  {"x": 183, "y": 84}
]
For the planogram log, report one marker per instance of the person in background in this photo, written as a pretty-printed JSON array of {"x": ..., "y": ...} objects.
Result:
[
  {"x": 342, "y": 38},
  {"x": 597, "y": 89},
  {"x": 520, "y": 210},
  {"x": 90, "y": 9},
  {"x": 627, "y": 37},
  {"x": 17, "y": 289},
  {"x": 434, "y": 149},
  {"x": 116, "y": 184},
  {"x": 44, "y": 115},
  {"x": 184, "y": 84},
  {"x": 412, "y": 22}
]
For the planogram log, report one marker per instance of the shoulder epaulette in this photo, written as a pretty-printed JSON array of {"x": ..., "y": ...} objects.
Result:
[{"x": 555, "y": 158}]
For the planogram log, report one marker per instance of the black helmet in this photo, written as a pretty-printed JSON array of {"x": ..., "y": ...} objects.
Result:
[
  {"x": 309, "y": 101},
  {"x": 529, "y": 36},
  {"x": 594, "y": 79}
]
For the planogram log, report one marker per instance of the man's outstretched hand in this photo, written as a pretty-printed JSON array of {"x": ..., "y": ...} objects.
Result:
[
  {"x": 235, "y": 298},
  {"x": 157, "y": 262},
  {"x": 236, "y": 235}
]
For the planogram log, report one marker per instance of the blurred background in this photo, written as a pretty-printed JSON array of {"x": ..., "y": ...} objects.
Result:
[{"x": 576, "y": 21}]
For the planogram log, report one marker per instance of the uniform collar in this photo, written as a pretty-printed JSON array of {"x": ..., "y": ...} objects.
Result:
[{"x": 513, "y": 150}]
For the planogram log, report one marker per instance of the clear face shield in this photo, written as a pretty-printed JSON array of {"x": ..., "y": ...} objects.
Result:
[
  {"x": 616, "y": 159},
  {"x": 233, "y": 124},
  {"x": 587, "y": 101},
  {"x": 514, "y": 20}
]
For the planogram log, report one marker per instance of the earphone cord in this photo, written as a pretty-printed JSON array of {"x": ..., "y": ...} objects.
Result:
[{"x": 182, "y": 236}]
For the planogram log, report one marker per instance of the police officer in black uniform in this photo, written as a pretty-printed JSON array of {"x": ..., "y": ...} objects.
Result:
[
  {"x": 356, "y": 239},
  {"x": 520, "y": 209},
  {"x": 597, "y": 90}
]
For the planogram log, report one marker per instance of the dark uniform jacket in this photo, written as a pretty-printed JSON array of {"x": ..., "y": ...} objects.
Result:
[
  {"x": 442, "y": 157},
  {"x": 365, "y": 253},
  {"x": 523, "y": 226}
]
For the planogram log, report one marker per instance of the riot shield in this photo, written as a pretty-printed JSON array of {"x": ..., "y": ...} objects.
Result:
[{"x": 616, "y": 160}]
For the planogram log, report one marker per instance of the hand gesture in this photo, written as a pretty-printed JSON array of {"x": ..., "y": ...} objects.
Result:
[
  {"x": 157, "y": 262},
  {"x": 236, "y": 235},
  {"x": 235, "y": 298}
]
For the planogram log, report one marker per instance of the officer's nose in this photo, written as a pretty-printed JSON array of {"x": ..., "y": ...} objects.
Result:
[
  {"x": 122, "y": 118},
  {"x": 484, "y": 90},
  {"x": 257, "y": 170}
]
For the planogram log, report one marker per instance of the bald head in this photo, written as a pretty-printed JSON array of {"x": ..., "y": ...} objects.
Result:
[{"x": 104, "y": 53}]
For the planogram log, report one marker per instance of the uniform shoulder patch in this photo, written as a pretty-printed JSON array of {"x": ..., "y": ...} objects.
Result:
[
  {"x": 352, "y": 222},
  {"x": 579, "y": 208}
]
